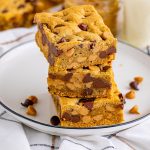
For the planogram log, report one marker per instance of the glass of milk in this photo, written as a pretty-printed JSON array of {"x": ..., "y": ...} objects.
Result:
[{"x": 136, "y": 28}]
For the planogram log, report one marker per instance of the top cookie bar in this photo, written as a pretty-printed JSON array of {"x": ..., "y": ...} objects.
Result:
[{"x": 75, "y": 37}]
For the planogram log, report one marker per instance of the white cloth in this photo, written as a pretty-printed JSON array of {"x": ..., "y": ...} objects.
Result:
[{"x": 16, "y": 136}]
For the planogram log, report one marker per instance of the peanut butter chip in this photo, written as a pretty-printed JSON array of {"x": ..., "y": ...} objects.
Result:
[
  {"x": 138, "y": 79},
  {"x": 31, "y": 111},
  {"x": 134, "y": 110},
  {"x": 130, "y": 95}
]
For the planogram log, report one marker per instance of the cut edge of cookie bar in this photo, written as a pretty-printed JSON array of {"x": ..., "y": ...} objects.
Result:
[
  {"x": 69, "y": 39},
  {"x": 92, "y": 81},
  {"x": 84, "y": 112}
]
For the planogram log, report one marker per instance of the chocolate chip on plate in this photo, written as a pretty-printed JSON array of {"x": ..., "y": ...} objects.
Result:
[
  {"x": 134, "y": 85},
  {"x": 55, "y": 120},
  {"x": 83, "y": 26},
  {"x": 27, "y": 102}
]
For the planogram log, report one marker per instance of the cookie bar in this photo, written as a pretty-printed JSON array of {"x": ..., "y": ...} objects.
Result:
[
  {"x": 20, "y": 13},
  {"x": 84, "y": 112},
  {"x": 108, "y": 10},
  {"x": 70, "y": 40},
  {"x": 92, "y": 81}
]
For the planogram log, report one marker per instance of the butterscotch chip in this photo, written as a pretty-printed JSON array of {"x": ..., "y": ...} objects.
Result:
[
  {"x": 110, "y": 108},
  {"x": 134, "y": 110},
  {"x": 130, "y": 95},
  {"x": 98, "y": 117},
  {"x": 86, "y": 119},
  {"x": 31, "y": 111},
  {"x": 138, "y": 79},
  {"x": 34, "y": 99},
  {"x": 83, "y": 111}
]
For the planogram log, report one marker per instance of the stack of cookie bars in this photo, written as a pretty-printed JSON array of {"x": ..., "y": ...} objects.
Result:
[{"x": 80, "y": 49}]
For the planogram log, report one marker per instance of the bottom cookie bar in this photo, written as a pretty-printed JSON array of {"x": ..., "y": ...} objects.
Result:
[{"x": 89, "y": 112}]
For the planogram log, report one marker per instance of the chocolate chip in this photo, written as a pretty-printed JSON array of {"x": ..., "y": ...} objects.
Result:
[
  {"x": 55, "y": 120},
  {"x": 134, "y": 85},
  {"x": 111, "y": 50},
  {"x": 100, "y": 83},
  {"x": 27, "y": 102},
  {"x": 67, "y": 77},
  {"x": 72, "y": 118},
  {"x": 103, "y": 54},
  {"x": 83, "y": 26},
  {"x": 87, "y": 78},
  {"x": 21, "y": 6},
  {"x": 62, "y": 40},
  {"x": 4, "y": 11},
  {"x": 87, "y": 91}
]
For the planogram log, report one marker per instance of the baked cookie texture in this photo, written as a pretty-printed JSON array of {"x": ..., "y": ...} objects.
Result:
[
  {"x": 89, "y": 112},
  {"x": 20, "y": 13},
  {"x": 92, "y": 81},
  {"x": 80, "y": 49},
  {"x": 108, "y": 9},
  {"x": 69, "y": 39}
]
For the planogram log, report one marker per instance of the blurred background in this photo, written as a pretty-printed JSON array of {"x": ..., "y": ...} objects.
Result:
[{"x": 128, "y": 20}]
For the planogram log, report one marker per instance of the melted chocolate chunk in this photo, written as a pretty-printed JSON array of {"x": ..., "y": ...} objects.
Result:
[
  {"x": 87, "y": 78},
  {"x": 100, "y": 83},
  {"x": 72, "y": 118},
  {"x": 106, "y": 68},
  {"x": 108, "y": 52},
  {"x": 83, "y": 26},
  {"x": 87, "y": 102},
  {"x": 82, "y": 100},
  {"x": 52, "y": 76},
  {"x": 111, "y": 50},
  {"x": 86, "y": 68},
  {"x": 67, "y": 77},
  {"x": 27, "y": 102},
  {"x": 88, "y": 105},
  {"x": 54, "y": 49},
  {"x": 81, "y": 45},
  {"x": 55, "y": 120},
  {"x": 21, "y": 6},
  {"x": 103, "y": 54},
  {"x": 62, "y": 40},
  {"x": 51, "y": 60},
  {"x": 59, "y": 25},
  {"x": 87, "y": 91},
  {"x": 122, "y": 99},
  {"x": 4, "y": 11}
]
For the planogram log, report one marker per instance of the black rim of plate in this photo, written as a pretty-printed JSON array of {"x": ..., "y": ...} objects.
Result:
[{"x": 48, "y": 125}]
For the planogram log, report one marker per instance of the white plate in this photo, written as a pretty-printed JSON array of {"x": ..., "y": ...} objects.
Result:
[{"x": 23, "y": 72}]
